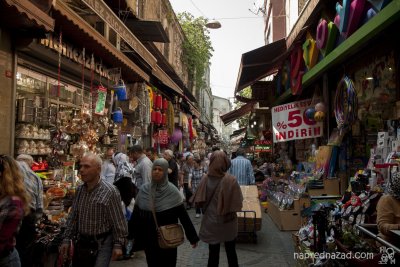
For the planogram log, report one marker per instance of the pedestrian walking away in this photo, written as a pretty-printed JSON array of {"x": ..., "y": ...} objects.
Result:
[
  {"x": 242, "y": 169},
  {"x": 220, "y": 197}
]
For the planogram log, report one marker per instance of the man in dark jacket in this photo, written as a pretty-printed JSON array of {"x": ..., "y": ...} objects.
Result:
[{"x": 173, "y": 167}]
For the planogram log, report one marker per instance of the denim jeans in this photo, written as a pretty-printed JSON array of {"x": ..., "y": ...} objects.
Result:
[
  {"x": 105, "y": 252},
  {"x": 11, "y": 260}
]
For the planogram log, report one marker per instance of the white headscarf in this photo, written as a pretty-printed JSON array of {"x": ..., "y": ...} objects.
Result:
[{"x": 124, "y": 168}]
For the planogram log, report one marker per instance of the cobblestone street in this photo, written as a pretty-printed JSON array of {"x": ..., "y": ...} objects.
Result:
[{"x": 273, "y": 248}]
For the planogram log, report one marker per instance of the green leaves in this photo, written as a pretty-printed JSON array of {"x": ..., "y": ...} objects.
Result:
[{"x": 197, "y": 48}]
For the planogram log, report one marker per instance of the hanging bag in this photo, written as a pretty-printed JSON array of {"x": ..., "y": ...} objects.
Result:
[{"x": 170, "y": 235}]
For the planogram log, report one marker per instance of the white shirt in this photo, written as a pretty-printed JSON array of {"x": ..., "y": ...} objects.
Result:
[{"x": 108, "y": 171}]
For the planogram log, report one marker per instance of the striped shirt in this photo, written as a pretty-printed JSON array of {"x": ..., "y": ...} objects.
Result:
[
  {"x": 97, "y": 212},
  {"x": 243, "y": 171}
]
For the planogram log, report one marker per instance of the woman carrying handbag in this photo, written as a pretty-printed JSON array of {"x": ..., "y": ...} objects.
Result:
[{"x": 164, "y": 199}]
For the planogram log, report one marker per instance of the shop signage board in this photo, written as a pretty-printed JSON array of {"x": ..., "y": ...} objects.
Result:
[
  {"x": 262, "y": 146},
  {"x": 289, "y": 122}
]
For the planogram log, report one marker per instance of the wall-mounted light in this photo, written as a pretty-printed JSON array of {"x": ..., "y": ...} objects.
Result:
[{"x": 369, "y": 78}]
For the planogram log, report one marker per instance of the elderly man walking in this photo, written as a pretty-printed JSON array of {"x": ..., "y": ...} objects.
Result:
[
  {"x": 96, "y": 219},
  {"x": 242, "y": 169}
]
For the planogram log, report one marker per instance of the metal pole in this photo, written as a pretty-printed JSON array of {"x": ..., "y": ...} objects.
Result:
[{"x": 377, "y": 238}]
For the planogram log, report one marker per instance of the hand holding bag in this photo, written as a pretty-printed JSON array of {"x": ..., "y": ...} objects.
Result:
[{"x": 170, "y": 235}]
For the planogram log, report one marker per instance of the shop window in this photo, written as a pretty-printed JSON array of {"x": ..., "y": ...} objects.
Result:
[
  {"x": 99, "y": 26},
  {"x": 112, "y": 36},
  {"x": 376, "y": 90}
]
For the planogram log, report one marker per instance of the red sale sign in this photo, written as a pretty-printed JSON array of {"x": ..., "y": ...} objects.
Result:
[{"x": 289, "y": 122}]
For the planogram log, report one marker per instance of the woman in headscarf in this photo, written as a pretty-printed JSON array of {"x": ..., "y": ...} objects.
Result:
[
  {"x": 124, "y": 182},
  {"x": 123, "y": 177},
  {"x": 220, "y": 197},
  {"x": 168, "y": 207},
  {"x": 388, "y": 211}
]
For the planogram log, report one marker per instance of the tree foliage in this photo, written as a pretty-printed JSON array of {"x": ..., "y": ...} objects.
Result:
[
  {"x": 243, "y": 121},
  {"x": 197, "y": 48}
]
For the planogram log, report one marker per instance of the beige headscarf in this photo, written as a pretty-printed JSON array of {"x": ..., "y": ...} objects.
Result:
[{"x": 230, "y": 197}]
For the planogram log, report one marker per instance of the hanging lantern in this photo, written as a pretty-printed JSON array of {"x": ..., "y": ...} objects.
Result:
[
  {"x": 164, "y": 119},
  {"x": 153, "y": 116},
  {"x": 154, "y": 100},
  {"x": 165, "y": 104},
  {"x": 176, "y": 136},
  {"x": 158, "y": 102},
  {"x": 158, "y": 117}
]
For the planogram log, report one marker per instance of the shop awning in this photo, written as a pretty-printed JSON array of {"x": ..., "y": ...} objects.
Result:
[
  {"x": 96, "y": 42},
  {"x": 237, "y": 113},
  {"x": 27, "y": 9},
  {"x": 238, "y": 132},
  {"x": 147, "y": 31},
  {"x": 260, "y": 63}
]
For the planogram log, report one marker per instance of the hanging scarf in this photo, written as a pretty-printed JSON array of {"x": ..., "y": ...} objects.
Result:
[
  {"x": 394, "y": 186},
  {"x": 124, "y": 168},
  {"x": 166, "y": 195}
]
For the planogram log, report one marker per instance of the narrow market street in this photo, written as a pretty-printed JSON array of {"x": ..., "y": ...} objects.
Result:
[{"x": 273, "y": 248}]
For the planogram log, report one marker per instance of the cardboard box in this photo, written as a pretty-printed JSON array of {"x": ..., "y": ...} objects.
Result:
[
  {"x": 289, "y": 220},
  {"x": 249, "y": 191},
  {"x": 331, "y": 187},
  {"x": 285, "y": 220}
]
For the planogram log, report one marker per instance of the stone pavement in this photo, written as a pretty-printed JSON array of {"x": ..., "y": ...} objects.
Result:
[{"x": 273, "y": 248}]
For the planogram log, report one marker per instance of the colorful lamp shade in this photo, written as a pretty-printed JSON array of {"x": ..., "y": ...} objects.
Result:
[
  {"x": 158, "y": 117},
  {"x": 158, "y": 102},
  {"x": 153, "y": 116},
  {"x": 165, "y": 104},
  {"x": 176, "y": 136},
  {"x": 164, "y": 119}
]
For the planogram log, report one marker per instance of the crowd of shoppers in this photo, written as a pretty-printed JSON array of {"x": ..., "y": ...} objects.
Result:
[{"x": 96, "y": 227}]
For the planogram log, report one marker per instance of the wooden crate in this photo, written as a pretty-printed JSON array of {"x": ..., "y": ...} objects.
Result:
[
  {"x": 331, "y": 187},
  {"x": 246, "y": 220}
]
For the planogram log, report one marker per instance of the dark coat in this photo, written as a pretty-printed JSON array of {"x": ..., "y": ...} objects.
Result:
[{"x": 145, "y": 235}]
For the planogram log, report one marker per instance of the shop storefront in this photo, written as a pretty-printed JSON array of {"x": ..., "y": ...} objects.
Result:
[{"x": 335, "y": 124}]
